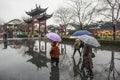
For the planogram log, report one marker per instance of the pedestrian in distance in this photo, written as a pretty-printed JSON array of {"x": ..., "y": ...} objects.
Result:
[{"x": 54, "y": 53}]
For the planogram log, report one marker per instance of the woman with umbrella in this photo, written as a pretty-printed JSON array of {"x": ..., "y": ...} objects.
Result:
[
  {"x": 54, "y": 53},
  {"x": 87, "y": 60},
  {"x": 89, "y": 41}
]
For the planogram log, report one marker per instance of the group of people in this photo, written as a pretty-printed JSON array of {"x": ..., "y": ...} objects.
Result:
[{"x": 85, "y": 54}]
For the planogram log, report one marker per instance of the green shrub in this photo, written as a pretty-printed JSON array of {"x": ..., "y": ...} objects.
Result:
[{"x": 110, "y": 42}]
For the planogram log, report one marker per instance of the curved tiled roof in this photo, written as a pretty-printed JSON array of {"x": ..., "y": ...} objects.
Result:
[{"x": 36, "y": 11}]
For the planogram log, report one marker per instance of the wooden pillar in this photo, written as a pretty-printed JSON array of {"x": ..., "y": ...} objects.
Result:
[
  {"x": 45, "y": 27},
  {"x": 32, "y": 28},
  {"x": 39, "y": 28},
  {"x": 28, "y": 29}
]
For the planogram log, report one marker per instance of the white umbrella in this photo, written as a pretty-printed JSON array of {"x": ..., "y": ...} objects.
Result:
[{"x": 89, "y": 40}]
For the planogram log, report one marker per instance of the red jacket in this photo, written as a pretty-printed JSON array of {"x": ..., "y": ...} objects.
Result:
[{"x": 55, "y": 53}]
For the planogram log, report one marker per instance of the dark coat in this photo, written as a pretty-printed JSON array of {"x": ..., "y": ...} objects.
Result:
[{"x": 87, "y": 60}]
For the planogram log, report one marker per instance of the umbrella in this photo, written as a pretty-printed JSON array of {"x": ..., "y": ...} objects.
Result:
[
  {"x": 89, "y": 40},
  {"x": 53, "y": 36},
  {"x": 81, "y": 32}
]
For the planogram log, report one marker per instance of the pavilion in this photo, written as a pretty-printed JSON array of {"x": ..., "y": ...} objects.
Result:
[{"x": 37, "y": 20}]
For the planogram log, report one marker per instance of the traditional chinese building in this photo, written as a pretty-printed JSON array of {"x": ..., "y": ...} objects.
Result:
[{"x": 37, "y": 20}]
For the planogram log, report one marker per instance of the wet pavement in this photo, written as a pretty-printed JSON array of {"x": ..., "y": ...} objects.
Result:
[{"x": 29, "y": 59}]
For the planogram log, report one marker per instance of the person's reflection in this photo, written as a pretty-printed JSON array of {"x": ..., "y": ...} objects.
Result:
[
  {"x": 5, "y": 40},
  {"x": 54, "y": 74},
  {"x": 76, "y": 67},
  {"x": 5, "y": 44}
]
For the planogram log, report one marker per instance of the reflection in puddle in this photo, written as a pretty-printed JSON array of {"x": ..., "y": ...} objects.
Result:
[{"x": 30, "y": 60}]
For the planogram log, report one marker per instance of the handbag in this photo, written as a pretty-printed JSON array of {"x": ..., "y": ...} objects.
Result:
[{"x": 92, "y": 55}]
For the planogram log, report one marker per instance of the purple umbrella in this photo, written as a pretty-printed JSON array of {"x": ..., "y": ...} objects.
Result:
[{"x": 53, "y": 36}]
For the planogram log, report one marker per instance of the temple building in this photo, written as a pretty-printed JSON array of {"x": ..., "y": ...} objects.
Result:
[{"x": 37, "y": 21}]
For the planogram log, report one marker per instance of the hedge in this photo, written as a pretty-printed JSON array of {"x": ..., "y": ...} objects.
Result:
[{"x": 101, "y": 41}]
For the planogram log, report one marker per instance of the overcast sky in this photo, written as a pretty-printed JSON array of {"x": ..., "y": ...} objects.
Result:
[{"x": 15, "y": 9}]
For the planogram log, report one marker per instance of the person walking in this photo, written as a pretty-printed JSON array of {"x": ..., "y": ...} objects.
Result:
[
  {"x": 77, "y": 46},
  {"x": 54, "y": 53},
  {"x": 87, "y": 60}
]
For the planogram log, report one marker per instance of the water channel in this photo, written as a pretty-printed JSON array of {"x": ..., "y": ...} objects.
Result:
[{"x": 29, "y": 59}]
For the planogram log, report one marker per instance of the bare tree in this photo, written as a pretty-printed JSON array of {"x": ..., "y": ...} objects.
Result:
[
  {"x": 83, "y": 10},
  {"x": 115, "y": 12},
  {"x": 63, "y": 16},
  {"x": 111, "y": 11}
]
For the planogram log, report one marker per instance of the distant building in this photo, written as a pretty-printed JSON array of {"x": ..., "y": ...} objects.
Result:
[
  {"x": 104, "y": 29},
  {"x": 13, "y": 27},
  {"x": 104, "y": 26},
  {"x": 13, "y": 24}
]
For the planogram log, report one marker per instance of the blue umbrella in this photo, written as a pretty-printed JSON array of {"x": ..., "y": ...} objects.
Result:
[{"x": 81, "y": 32}]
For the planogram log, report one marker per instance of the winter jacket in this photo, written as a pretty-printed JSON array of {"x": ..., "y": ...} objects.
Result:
[{"x": 55, "y": 52}]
